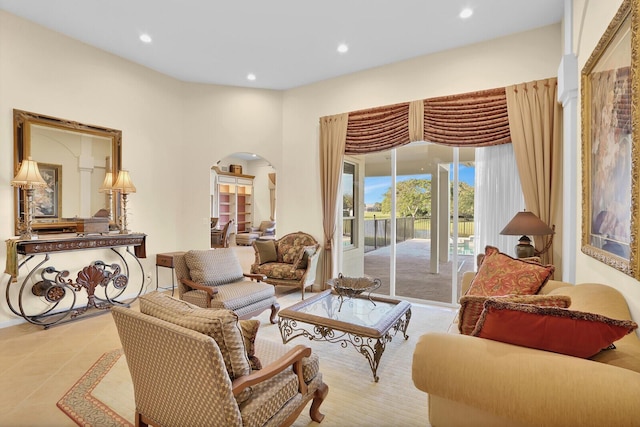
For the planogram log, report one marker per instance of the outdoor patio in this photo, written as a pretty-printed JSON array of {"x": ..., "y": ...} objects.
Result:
[{"x": 413, "y": 278}]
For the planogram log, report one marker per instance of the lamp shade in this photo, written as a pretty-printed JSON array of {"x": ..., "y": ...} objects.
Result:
[
  {"x": 526, "y": 223},
  {"x": 123, "y": 183},
  {"x": 29, "y": 175},
  {"x": 107, "y": 184}
]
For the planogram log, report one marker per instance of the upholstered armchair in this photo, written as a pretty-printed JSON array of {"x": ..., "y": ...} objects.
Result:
[
  {"x": 214, "y": 278},
  {"x": 291, "y": 260},
  {"x": 197, "y": 367}
]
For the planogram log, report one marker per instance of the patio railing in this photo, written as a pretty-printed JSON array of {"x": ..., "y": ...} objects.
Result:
[{"x": 377, "y": 232}]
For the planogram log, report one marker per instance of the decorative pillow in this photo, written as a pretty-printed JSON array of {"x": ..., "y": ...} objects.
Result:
[
  {"x": 559, "y": 330},
  {"x": 249, "y": 331},
  {"x": 213, "y": 267},
  {"x": 303, "y": 258},
  {"x": 221, "y": 325},
  {"x": 500, "y": 274},
  {"x": 471, "y": 306},
  {"x": 266, "y": 250}
]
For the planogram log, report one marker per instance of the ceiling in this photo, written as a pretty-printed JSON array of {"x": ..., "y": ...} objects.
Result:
[{"x": 285, "y": 43}]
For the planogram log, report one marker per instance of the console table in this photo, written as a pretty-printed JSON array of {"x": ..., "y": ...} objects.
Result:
[{"x": 47, "y": 296}]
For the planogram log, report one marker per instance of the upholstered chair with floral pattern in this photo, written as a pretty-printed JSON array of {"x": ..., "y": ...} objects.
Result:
[{"x": 291, "y": 260}]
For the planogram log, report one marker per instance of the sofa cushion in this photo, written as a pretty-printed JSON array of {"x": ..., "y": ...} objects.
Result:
[
  {"x": 559, "y": 330},
  {"x": 278, "y": 270},
  {"x": 500, "y": 274},
  {"x": 221, "y": 325},
  {"x": 266, "y": 251},
  {"x": 213, "y": 267},
  {"x": 249, "y": 330},
  {"x": 471, "y": 306}
]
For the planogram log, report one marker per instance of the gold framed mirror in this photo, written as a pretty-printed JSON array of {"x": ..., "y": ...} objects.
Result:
[{"x": 75, "y": 159}]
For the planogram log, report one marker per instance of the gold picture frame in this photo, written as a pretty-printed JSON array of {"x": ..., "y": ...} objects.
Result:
[
  {"x": 610, "y": 145},
  {"x": 46, "y": 201}
]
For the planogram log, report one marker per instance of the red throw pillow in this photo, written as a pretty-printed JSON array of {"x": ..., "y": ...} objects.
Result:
[
  {"x": 500, "y": 274},
  {"x": 471, "y": 306},
  {"x": 553, "y": 329}
]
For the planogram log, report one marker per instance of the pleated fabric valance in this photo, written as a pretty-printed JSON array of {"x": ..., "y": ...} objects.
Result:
[{"x": 471, "y": 119}]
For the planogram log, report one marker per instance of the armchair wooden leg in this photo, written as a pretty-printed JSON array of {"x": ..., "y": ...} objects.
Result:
[
  {"x": 318, "y": 398},
  {"x": 275, "y": 307}
]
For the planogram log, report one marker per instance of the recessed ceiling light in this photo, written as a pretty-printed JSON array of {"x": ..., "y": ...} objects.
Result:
[
  {"x": 251, "y": 76},
  {"x": 145, "y": 38},
  {"x": 466, "y": 12},
  {"x": 343, "y": 48}
]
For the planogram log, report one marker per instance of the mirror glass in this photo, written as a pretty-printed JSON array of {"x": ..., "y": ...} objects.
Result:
[{"x": 73, "y": 159}]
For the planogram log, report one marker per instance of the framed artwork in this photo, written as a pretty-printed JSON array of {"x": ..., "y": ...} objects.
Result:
[
  {"x": 610, "y": 146},
  {"x": 46, "y": 201}
]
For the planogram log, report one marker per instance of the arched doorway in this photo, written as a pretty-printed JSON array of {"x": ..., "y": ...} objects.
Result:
[{"x": 243, "y": 191}]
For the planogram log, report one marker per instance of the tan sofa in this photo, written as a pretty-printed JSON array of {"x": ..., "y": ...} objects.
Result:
[{"x": 472, "y": 381}]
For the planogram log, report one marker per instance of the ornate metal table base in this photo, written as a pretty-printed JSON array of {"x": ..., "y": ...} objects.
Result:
[
  {"x": 48, "y": 297},
  {"x": 371, "y": 348}
]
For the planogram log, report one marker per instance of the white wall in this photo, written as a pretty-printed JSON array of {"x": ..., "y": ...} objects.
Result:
[{"x": 591, "y": 20}]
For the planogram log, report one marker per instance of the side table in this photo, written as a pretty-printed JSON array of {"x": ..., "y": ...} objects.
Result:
[{"x": 166, "y": 260}]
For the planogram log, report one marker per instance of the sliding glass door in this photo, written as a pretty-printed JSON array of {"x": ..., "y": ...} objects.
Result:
[{"x": 416, "y": 237}]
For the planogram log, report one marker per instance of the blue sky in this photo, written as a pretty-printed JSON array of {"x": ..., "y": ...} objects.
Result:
[{"x": 376, "y": 186}]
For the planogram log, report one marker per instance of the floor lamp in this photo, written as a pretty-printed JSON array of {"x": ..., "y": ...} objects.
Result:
[
  {"x": 28, "y": 179},
  {"x": 124, "y": 186}
]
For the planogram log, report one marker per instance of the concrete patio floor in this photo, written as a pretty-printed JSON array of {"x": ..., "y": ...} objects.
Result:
[{"x": 413, "y": 278}]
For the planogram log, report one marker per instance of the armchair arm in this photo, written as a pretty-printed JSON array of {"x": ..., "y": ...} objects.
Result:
[
  {"x": 257, "y": 276},
  {"x": 210, "y": 290},
  {"x": 292, "y": 358}
]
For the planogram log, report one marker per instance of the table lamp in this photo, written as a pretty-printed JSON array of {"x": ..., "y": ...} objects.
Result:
[
  {"x": 28, "y": 178},
  {"x": 124, "y": 186},
  {"x": 528, "y": 224}
]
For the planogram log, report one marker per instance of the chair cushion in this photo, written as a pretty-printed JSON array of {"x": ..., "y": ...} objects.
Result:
[
  {"x": 221, "y": 325},
  {"x": 471, "y": 306},
  {"x": 500, "y": 274},
  {"x": 269, "y": 397},
  {"x": 213, "y": 267},
  {"x": 559, "y": 330},
  {"x": 278, "y": 270},
  {"x": 265, "y": 251}
]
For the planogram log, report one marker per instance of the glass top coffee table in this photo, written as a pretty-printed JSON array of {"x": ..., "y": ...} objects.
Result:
[{"x": 368, "y": 327}]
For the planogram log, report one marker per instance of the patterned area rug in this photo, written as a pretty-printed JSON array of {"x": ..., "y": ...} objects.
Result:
[
  {"x": 104, "y": 395},
  {"x": 87, "y": 404}
]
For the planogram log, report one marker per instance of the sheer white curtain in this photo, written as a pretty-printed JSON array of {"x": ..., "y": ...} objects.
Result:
[{"x": 498, "y": 197}]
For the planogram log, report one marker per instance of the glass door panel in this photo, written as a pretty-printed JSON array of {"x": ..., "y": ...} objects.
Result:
[{"x": 377, "y": 219}]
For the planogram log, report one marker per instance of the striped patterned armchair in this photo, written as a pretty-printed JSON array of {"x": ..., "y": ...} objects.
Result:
[
  {"x": 182, "y": 374},
  {"x": 213, "y": 278}
]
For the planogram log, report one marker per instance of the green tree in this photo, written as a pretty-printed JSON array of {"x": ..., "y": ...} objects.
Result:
[
  {"x": 466, "y": 195},
  {"x": 413, "y": 198}
]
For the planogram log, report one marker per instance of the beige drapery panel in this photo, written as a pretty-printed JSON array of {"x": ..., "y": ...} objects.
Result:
[
  {"x": 272, "y": 195},
  {"x": 333, "y": 133},
  {"x": 535, "y": 120}
]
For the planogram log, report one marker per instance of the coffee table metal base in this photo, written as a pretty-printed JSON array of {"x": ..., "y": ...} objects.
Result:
[{"x": 371, "y": 348}]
